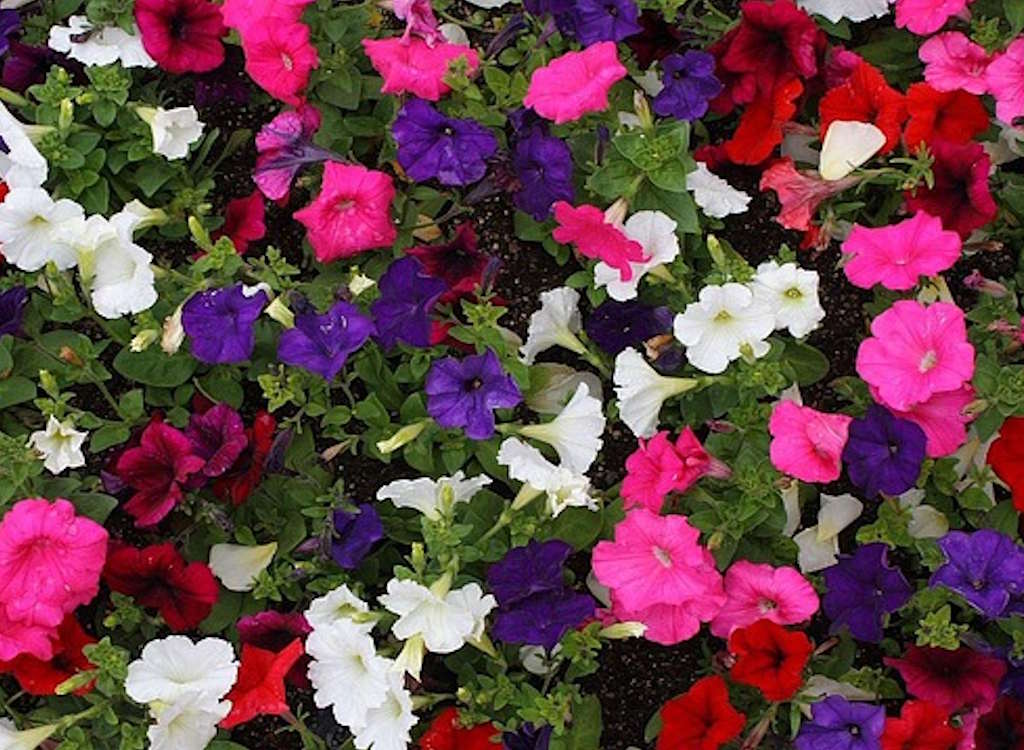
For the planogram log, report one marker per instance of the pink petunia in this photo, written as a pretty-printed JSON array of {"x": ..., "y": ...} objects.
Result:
[
  {"x": 1005, "y": 79},
  {"x": 952, "y": 61},
  {"x": 279, "y": 57},
  {"x": 669, "y": 624},
  {"x": 916, "y": 351},
  {"x": 351, "y": 214},
  {"x": 896, "y": 256},
  {"x": 806, "y": 443},
  {"x": 924, "y": 17},
  {"x": 246, "y": 14},
  {"x": 943, "y": 419},
  {"x": 757, "y": 591},
  {"x": 658, "y": 467},
  {"x": 800, "y": 193},
  {"x": 576, "y": 83},
  {"x": 414, "y": 67},
  {"x": 585, "y": 226}
]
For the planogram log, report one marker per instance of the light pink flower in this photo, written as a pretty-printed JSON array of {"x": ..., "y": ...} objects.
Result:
[
  {"x": 916, "y": 351},
  {"x": 806, "y": 443},
  {"x": 576, "y": 83},
  {"x": 896, "y": 256},
  {"x": 50, "y": 563},
  {"x": 952, "y": 61},
  {"x": 942, "y": 418},
  {"x": 925, "y": 17},
  {"x": 1005, "y": 78},
  {"x": 760, "y": 592},
  {"x": 351, "y": 214},
  {"x": 414, "y": 67},
  {"x": 800, "y": 193}
]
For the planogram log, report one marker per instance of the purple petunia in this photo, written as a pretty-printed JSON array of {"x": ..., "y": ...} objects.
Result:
[
  {"x": 355, "y": 533},
  {"x": 285, "y": 145},
  {"x": 614, "y": 326},
  {"x": 27, "y": 65},
  {"x": 593, "y": 21},
  {"x": 689, "y": 84},
  {"x": 985, "y": 567},
  {"x": 10, "y": 22},
  {"x": 322, "y": 343},
  {"x": 527, "y": 737},
  {"x": 12, "y": 310},
  {"x": 407, "y": 297},
  {"x": 884, "y": 453},
  {"x": 543, "y": 165},
  {"x": 220, "y": 323},
  {"x": 218, "y": 436},
  {"x": 465, "y": 393},
  {"x": 430, "y": 145},
  {"x": 861, "y": 589},
  {"x": 839, "y": 724}
]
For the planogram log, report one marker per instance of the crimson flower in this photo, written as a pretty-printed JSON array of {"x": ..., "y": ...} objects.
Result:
[
  {"x": 458, "y": 263},
  {"x": 242, "y": 478},
  {"x": 39, "y": 677},
  {"x": 259, "y": 689},
  {"x": 1002, "y": 728},
  {"x": 445, "y": 733},
  {"x": 244, "y": 221},
  {"x": 921, "y": 726},
  {"x": 952, "y": 680},
  {"x": 960, "y": 197},
  {"x": 272, "y": 631},
  {"x": 159, "y": 577},
  {"x": 954, "y": 116},
  {"x": 701, "y": 718},
  {"x": 760, "y": 127},
  {"x": 183, "y": 36},
  {"x": 770, "y": 658},
  {"x": 1006, "y": 457},
  {"x": 156, "y": 469},
  {"x": 866, "y": 97}
]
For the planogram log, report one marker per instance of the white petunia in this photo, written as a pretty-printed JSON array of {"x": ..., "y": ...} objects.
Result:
[
  {"x": 174, "y": 130},
  {"x": 387, "y": 726},
  {"x": 433, "y": 498},
  {"x": 443, "y": 621},
  {"x": 189, "y": 723},
  {"x": 575, "y": 433},
  {"x": 81, "y": 41},
  {"x": 551, "y": 385},
  {"x": 238, "y": 565},
  {"x": 791, "y": 293},
  {"x": 848, "y": 144},
  {"x": 26, "y": 739},
  {"x": 556, "y": 323},
  {"x": 562, "y": 487},
  {"x": 347, "y": 673},
  {"x": 31, "y": 225},
  {"x": 819, "y": 545},
  {"x": 642, "y": 391},
  {"x": 657, "y": 233},
  {"x": 21, "y": 164},
  {"x": 725, "y": 320},
  {"x": 60, "y": 445},
  {"x": 173, "y": 667},
  {"x": 926, "y": 522},
  {"x": 855, "y": 10},
  {"x": 715, "y": 196},
  {"x": 339, "y": 605},
  {"x": 454, "y": 34}
]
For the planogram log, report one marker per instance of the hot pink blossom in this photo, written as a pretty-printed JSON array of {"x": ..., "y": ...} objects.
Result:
[
  {"x": 952, "y": 61},
  {"x": 658, "y": 467},
  {"x": 576, "y": 83},
  {"x": 925, "y": 17},
  {"x": 916, "y": 351},
  {"x": 942, "y": 418},
  {"x": 760, "y": 592},
  {"x": 669, "y": 624},
  {"x": 351, "y": 214},
  {"x": 806, "y": 443},
  {"x": 414, "y": 67},
  {"x": 800, "y": 193},
  {"x": 279, "y": 58},
  {"x": 1005, "y": 79},
  {"x": 246, "y": 14},
  {"x": 896, "y": 256},
  {"x": 585, "y": 226},
  {"x": 50, "y": 563}
]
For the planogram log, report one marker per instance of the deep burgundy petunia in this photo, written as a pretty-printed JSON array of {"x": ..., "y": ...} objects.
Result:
[
  {"x": 961, "y": 196},
  {"x": 218, "y": 437},
  {"x": 183, "y": 36},
  {"x": 459, "y": 263}
]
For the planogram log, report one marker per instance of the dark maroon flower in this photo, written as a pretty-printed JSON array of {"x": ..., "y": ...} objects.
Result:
[
  {"x": 458, "y": 263},
  {"x": 218, "y": 436}
]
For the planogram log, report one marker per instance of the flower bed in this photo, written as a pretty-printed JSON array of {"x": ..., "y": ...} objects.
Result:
[{"x": 573, "y": 375}]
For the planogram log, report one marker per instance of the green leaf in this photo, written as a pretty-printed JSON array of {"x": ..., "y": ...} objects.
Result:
[
  {"x": 678, "y": 206},
  {"x": 153, "y": 367},
  {"x": 1002, "y": 518},
  {"x": 131, "y": 404},
  {"x": 109, "y": 435},
  {"x": 225, "y": 612},
  {"x": 94, "y": 505},
  {"x": 151, "y": 176},
  {"x": 294, "y": 531},
  {"x": 808, "y": 364},
  {"x": 1014, "y": 10},
  {"x": 577, "y": 526},
  {"x": 16, "y": 390},
  {"x": 585, "y": 731}
]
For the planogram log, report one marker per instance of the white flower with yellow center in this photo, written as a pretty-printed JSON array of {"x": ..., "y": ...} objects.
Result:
[
  {"x": 60, "y": 445},
  {"x": 725, "y": 322}
]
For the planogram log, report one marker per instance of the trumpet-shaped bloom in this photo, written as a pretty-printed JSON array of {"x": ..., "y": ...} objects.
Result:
[
  {"x": 951, "y": 679},
  {"x": 701, "y": 718},
  {"x": 218, "y": 436},
  {"x": 884, "y": 453},
  {"x": 433, "y": 146},
  {"x": 847, "y": 145},
  {"x": 1005, "y": 79},
  {"x": 854, "y": 10},
  {"x": 459, "y": 263},
  {"x": 953, "y": 116},
  {"x": 806, "y": 443},
  {"x": 656, "y": 233},
  {"x": 238, "y": 565},
  {"x": 791, "y": 293},
  {"x": 323, "y": 343},
  {"x": 724, "y": 321},
  {"x": 60, "y": 445},
  {"x": 960, "y": 196},
  {"x": 285, "y": 145},
  {"x": 564, "y": 488},
  {"x": 921, "y": 726},
  {"x": 861, "y": 590},
  {"x": 757, "y": 591},
  {"x": 800, "y": 193},
  {"x": 556, "y": 323},
  {"x": 841, "y": 724},
  {"x": 433, "y": 497},
  {"x": 444, "y": 622},
  {"x": 716, "y": 197},
  {"x": 689, "y": 84},
  {"x": 355, "y": 533},
  {"x": 42, "y": 677},
  {"x": 896, "y": 256},
  {"x": 985, "y": 567},
  {"x": 407, "y": 297},
  {"x": 183, "y": 36},
  {"x": 259, "y": 690},
  {"x": 659, "y": 467},
  {"x": 21, "y": 164},
  {"x": 587, "y": 228},
  {"x": 616, "y": 326},
  {"x": 943, "y": 419},
  {"x": 819, "y": 544},
  {"x": 543, "y": 164},
  {"x": 760, "y": 127},
  {"x": 866, "y": 97},
  {"x": 414, "y": 67},
  {"x": 465, "y": 394},
  {"x": 924, "y": 17},
  {"x": 952, "y": 61},
  {"x": 575, "y": 84},
  {"x": 642, "y": 391},
  {"x": 174, "y": 667},
  {"x": 1006, "y": 457},
  {"x": 575, "y": 432},
  {"x": 770, "y": 658},
  {"x": 219, "y": 323},
  {"x": 279, "y": 58},
  {"x": 32, "y": 223}
]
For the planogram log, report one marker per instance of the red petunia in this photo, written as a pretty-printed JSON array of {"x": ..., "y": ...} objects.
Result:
[
  {"x": 259, "y": 689},
  {"x": 952, "y": 680},
  {"x": 182, "y": 36},
  {"x": 1006, "y": 457},
  {"x": 866, "y": 97},
  {"x": 770, "y": 658},
  {"x": 960, "y": 197},
  {"x": 921, "y": 726},
  {"x": 244, "y": 221},
  {"x": 159, "y": 577},
  {"x": 241, "y": 479},
  {"x": 458, "y": 263},
  {"x": 39, "y": 677},
  {"x": 701, "y": 718},
  {"x": 1002, "y": 728},
  {"x": 760, "y": 127},
  {"x": 445, "y": 733},
  {"x": 954, "y": 116}
]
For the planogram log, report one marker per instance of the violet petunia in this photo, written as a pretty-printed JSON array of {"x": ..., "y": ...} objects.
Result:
[
  {"x": 322, "y": 343},
  {"x": 527, "y": 737},
  {"x": 689, "y": 84},
  {"x": 218, "y": 436},
  {"x": 861, "y": 589},
  {"x": 985, "y": 567},
  {"x": 433, "y": 146},
  {"x": 531, "y": 569},
  {"x": 10, "y": 22},
  {"x": 12, "y": 310},
  {"x": 465, "y": 393},
  {"x": 543, "y": 165},
  {"x": 27, "y": 65},
  {"x": 355, "y": 533},
  {"x": 219, "y": 323},
  {"x": 615, "y": 326},
  {"x": 407, "y": 297},
  {"x": 594, "y": 21},
  {"x": 884, "y": 453},
  {"x": 285, "y": 145},
  {"x": 839, "y": 724}
]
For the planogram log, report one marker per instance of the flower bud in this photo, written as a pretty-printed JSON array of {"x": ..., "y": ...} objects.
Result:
[
  {"x": 174, "y": 332},
  {"x": 278, "y": 310},
  {"x": 405, "y": 435},
  {"x": 622, "y": 630}
]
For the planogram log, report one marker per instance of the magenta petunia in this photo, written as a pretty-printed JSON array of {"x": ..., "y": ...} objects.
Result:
[
  {"x": 414, "y": 67},
  {"x": 218, "y": 437},
  {"x": 1005, "y": 79},
  {"x": 806, "y": 443},
  {"x": 156, "y": 469},
  {"x": 952, "y": 61},
  {"x": 925, "y": 17},
  {"x": 586, "y": 227},
  {"x": 757, "y": 591},
  {"x": 575, "y": 84},
  {"x": 896, "y": 256},
  {"x": 279, "y": 57}
]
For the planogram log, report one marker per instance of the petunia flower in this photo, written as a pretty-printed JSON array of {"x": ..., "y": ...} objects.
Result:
[
  {"x": 656, "y": 234},
  {"x": 219, "y": 323},
  {"x": 543, "y": 164},
  {"x": 592, "y": 21},
  {"x": 352, "y": 212},
  {"x": 883, "y": 453},
  {"x": 770, "y": 658},
  {"x": 183, "y": 36},
  {"x": 237, "y": 566},
  {"x": 528, "y": 737},
  {"x": 556, "y": 323},
  {"x": 466, "y": 393},
  {"x": 21, "y": 164},
  {"x": 985, "y": 567},
  {"x": 259, "y": 689},
  {"x": 355, "y": 533},
  {"x": 861, "y": 590},
  {"x": 388, "y": 725},
  {"x": 896, "y": 256},
  {"x": 273, "y": 631},
  {"x": 951, "y": 679},
  {"x": 279, "y": 58},
  {"x": 791, "y": 293},
  {"x": 642, "y": 391},
  {"x": 43, "y": 676},
  {"x": 1005, "y": 79},
  {"x": 31, "y": 223},
  {"x": 563, "y": 487},
  {"x": 242, "y": 15},
  {"x": 594, "y": 236},
  {"x": 575, "y": 84},
  {"x": 189, "y": 722},
  {"x": 1002, "y": 726},
  {"x": 104, "y": 45},
  {"x": 954, "y": 116},
  {"x": 459, "y": 263},
  {"x": 26, "y": 739},
  {"x": 688, "y": 84},
  {"x": 960, "y": 196},
  {"x": 245, "y": 474},
  {"x": 444, "y": 621},
  {"x": 853, "y": 10},
  {"x": 921, "y": 726},
  {"x": 915, "y": 352},
  {"x": 433, "y": 498},
  {"x": 760, "y": 127},
  {"x": 924, "y": 17},
  {"x": 407, "y": 297},
  {"x": 806, "y": 443},
  {"x": 800, "y": 193},
  {"x": 616, "y": 326},
  {"x": 446, "y": 732},
  {"x": 866, "y": 97},
  {"x": 1006, "y": 457},
  {"x": 702, "y": 717},
  {"x": 952, "y": 62},
  {"x": 60, "y": 445},
  {"x": 285, "y": 145},
  {"x": 839, "y": 723},
  {"x": 175, "y": 666},
  {"x": 414, "y": 67},
  {"x": 323, "y": 343},
  {"x": 716, "y": 197},
  {"x": 819, "y": 544},
  {"x": 12, "y": 310},
  {"x": 575, "y": 432},
  {"x": 10, "y": 24},
  {"x": 433, "y": 146},
  {"x": 218, "y": 437},
  {"x": 757, "y": 591},
  {"x": 158, "y": 577},
  {"x": 725, "y": 321},
  {"x": 659, "y": 467},
  {"x": 244, "y": 221},
  {"x": 26, "y": 65},
  {"x": 847, "y": 146}
]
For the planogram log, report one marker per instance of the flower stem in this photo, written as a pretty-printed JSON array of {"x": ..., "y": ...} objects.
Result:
[{"x": 309, "y": 739}]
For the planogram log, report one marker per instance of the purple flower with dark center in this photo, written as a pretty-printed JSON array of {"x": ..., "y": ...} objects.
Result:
[
  {"x": 220, "y": 323},
  {"x": 884, "y": 453},
  {"x": 862, "y": 589},
  {"x": 285, "y": 145},
  {"x": 272, "y": 631},
  {"x": 985, "y": 567},
  {"x": 355, "y": 533},
  {"x": 594, "y": 21},
  {"x": 839, "y": 724},
  {"x": 430, "y": 145},
  {"x": 527, "y": 737},
  {"x": 27, "y": 65},
  {"x": 689, "y": 84},
  {"x": 407, "y": 297},
  {"x": 12, "y": 310},
  {"x": 614, "y": 326},
  {"x": 322, "y": 343},
  {"x": 10, "y": 22},
  {"x": 525, "y": 571},
  {"x": 218, "y": 436},
  {"x": 466, "y": 393},
  {"x": 543, "y": 165}
]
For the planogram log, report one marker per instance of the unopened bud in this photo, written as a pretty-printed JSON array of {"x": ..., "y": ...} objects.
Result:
[
  {"x": 278, "y": 310},
  {"x": 404, "y": 436},
  {"x": 69, "y": 355},
  {"x": 622, "y": 630}
]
